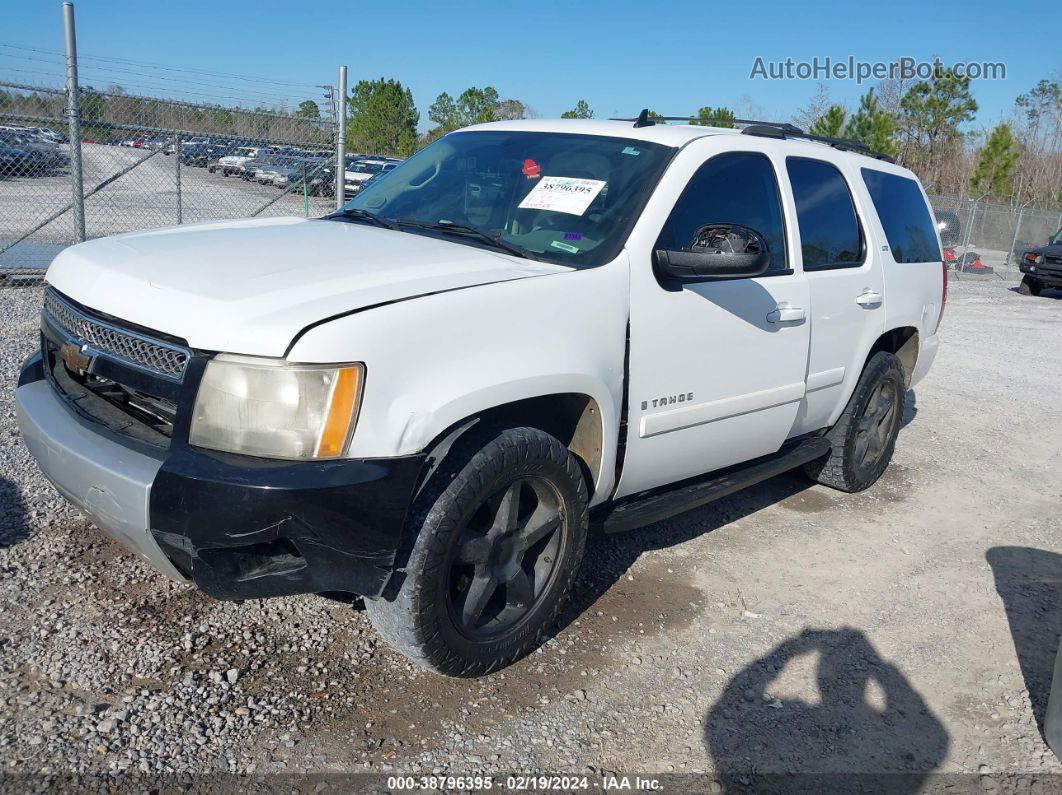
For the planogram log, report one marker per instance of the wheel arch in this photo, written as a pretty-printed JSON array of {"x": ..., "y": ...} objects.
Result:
[
  {"x": 574, "y": 418},
  {"x": 902, "y": 342}
]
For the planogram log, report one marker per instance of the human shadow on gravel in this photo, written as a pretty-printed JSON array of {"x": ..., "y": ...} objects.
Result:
[
  {"x": 839, "y": 741},
  {"x": 14, "y": 525},
  {"x": 1029, "y": 581}
]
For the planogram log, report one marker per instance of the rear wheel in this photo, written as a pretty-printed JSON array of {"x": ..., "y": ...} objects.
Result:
[
  {"x": 1029, "y": 286},
  {"x": 865, "y": 435},
  {"x": 501, "y": 529}
]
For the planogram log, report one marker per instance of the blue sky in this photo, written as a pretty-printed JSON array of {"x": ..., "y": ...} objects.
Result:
[{"x": 620, "y": 56}]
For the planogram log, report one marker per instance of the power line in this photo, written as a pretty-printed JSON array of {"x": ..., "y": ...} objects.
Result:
[
  {"x": 108, "y": 70},
  {"x": 148, "y": 64},
  {"x": 205, "y": 97}
]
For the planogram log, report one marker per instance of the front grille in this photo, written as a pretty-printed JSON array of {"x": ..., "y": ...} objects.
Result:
[
  {"x": 155, "y": 356},
  {"x": 1053, "y": 260},
  {"x": 143, "y": 418}
]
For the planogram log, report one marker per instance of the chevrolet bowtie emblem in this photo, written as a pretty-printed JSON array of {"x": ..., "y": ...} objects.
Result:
[{"x": 75, "y": 358}]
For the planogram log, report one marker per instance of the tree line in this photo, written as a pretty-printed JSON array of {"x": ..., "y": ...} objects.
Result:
[
  {"x": 919, "y": 123},
  {"x": 112, "y": 113}
]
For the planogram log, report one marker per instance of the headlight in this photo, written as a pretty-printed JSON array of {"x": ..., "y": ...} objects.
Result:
[{"x": 273, "y": 409}]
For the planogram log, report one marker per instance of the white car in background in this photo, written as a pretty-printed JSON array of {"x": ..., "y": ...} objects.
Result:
[
  {"x": 233, "y": 164},
  {"x": 361, "y": 171}
]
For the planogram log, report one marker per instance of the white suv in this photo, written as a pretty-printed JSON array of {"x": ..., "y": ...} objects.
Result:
[
  {"x": 530, "y": 327},
  {"x": 234, "y": 163}
]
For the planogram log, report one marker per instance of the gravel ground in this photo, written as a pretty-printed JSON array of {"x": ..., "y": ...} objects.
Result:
[{"x": 790, "y": 628}]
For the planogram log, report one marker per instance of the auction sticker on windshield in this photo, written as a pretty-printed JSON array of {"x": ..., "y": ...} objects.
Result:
[{"x": 562, "y": 195}]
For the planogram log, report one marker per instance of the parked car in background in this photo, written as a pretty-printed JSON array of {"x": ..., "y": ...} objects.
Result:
[
  {"x": 360, "y": 171},
  {"x": 297, "y": 171},
  {"x": 234, "y": 163},
  {"x": 195, "y": 154},
  {"x": 48, "y": 155},
  {"x": 253, "y": 167},
  {"x": 323, "y": 183},
  {"x": 213, "y": 163},
  {"x": 1042, "y": 267},
  {"x": 15, "y": 162},
  {"x": 171, "y": 147},
  {"x": 156, "y": 142}
]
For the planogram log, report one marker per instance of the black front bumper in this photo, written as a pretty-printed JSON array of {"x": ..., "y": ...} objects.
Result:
[
  {"x": 1049, "y": 274},
  {"x": 240, "y": 527},
  {"x": 247, "y": 528}
]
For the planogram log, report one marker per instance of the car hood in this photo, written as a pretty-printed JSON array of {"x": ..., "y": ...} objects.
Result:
[
  {"x": 1054, "y": 250},
  {"x": 251, "y": 286}
]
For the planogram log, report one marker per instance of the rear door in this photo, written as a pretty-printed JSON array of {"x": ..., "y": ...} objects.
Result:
[
  {"x": 716, "y": 371},
  {"x": 844, "y": 272},
  {"x": 913, "y": 264}
]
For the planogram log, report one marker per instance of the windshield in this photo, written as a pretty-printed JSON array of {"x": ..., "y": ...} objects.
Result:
[
  {"x": 570, "y": 199},
  {"x": 1057, "y": 240},
  {"x": 361, "y": 167}
]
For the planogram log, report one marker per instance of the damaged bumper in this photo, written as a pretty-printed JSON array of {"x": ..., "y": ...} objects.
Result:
[
  {"x": 250, "y": 528},
  {"x": 237, "y": 526}
]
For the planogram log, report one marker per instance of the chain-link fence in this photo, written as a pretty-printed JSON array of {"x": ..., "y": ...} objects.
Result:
[
  {"x": 147, "y": 162},
  {"x": 991, "y": 233}
]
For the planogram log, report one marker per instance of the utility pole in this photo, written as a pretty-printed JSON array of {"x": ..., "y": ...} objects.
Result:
[
  {"x": 73, "y": 115},
  {"x": 341, "y": 139}
]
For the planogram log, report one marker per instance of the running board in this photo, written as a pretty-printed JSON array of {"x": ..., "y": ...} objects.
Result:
[{"x": 657, "y": 505}]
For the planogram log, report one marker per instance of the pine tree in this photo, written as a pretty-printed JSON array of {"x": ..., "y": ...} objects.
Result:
[
  {"x": 580, "y": 111},
  {"x": 994, "y": 175},
  {"x": 383, "y": 119},
  {"x": 829, "y": 124},
  {"x": 872, "y": 126},
  {"x": 723, "y": 117}
]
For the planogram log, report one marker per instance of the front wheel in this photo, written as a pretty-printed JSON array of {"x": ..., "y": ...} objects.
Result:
[
  {"x": 500, "y": 532},
  {"x": 1029, "y": 286},
  {"x": 865, "y": 435}
]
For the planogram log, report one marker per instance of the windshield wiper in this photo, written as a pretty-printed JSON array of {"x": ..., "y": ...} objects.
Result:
[
  {"x": 472, "y": 231},
  {"x": 364, "y": 215}
]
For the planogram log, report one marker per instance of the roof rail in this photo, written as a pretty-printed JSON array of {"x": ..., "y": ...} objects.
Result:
[{"x": 767, "y": 129}]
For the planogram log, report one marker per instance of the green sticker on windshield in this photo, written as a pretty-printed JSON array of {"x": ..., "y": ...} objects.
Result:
[
  {"x": 630, "y": 150},
  {"x": 565, "y": 247}
]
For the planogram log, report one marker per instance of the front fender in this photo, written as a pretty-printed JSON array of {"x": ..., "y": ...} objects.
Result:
[{"x": 434, "y": 361}]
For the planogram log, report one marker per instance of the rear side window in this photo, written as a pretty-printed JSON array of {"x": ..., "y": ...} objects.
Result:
[
  {"x": 830, "y": 235},
  {"x": 904, "y": 216},
  {"x": 734, "y": 188}
]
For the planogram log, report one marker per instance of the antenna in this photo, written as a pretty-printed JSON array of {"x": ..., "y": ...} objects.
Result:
[{"x": 643, "y": 119}]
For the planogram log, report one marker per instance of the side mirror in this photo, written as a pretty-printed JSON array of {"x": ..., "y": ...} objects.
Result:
[{"x": 718, "y": 251}]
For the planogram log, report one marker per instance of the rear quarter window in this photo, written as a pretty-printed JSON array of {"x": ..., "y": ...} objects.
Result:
[{"x": 904, "y": 216}]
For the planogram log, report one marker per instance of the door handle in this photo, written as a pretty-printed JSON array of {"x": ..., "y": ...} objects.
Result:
[
  {"x": 786, "y": 314},
  {"x": 869, "y": 298}
]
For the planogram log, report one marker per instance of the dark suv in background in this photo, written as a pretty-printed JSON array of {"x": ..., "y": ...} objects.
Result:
[{"x": 1042, "y": 266}]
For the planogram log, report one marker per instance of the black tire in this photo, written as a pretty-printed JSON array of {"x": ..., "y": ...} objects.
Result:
[
  {"x": 865, "y": 435},
  {"x": 1029, "y": 286},
  {"x": 482, "y": 532}
]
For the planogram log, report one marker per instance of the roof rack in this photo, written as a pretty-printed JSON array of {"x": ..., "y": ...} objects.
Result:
[{"x": 766, "y": 129}]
